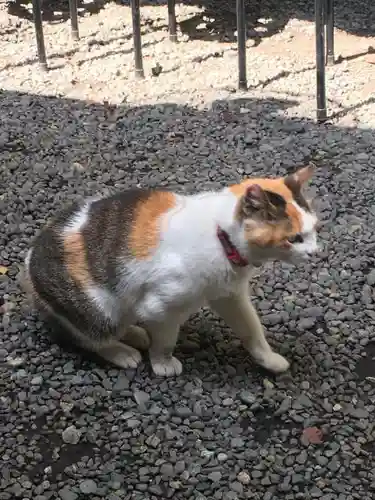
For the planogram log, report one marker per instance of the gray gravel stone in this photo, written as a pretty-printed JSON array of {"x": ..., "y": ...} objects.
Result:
[
  {"x": 316, "y": 492},
  {"x": 71, "y": 435},
  {"x": 243, "y": 477},
  {"x": 153, "y": 441},
  {"x": 284, "y": 407},
  {"x": 38, "y": 380},
  {"x": 167, "y": 470},
  {"x": 133, "y": 423},
  {"x": 141, "y": 397},
  {"x": 183, "y": 411},
  {"x": 3, "y": 354},
  {"x": 237, "y": 443},
  {"x": 222, "y": 457},
  {"x": 230, "y": 495},
  {"x": 122, "y": 383},
  {"x": 214, "y": 476},
  {"x": 67, "y": 494},
  {"x": 227, "y": 402},
  {"x": 156, "y": 490},
  {"x": 237, "y": 487},
  {"x": 88, "y": 487},
  {"x": 359, "y": 413},
  {"x": 371, "y": 277},
  {"x": 247, "y": 397}
]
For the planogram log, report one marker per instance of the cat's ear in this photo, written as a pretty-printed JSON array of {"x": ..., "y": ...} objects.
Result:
[
  {"x": 299, "y": 178},
  {"x": 254, "y": 197},
  {"x": 253, "y": 200},
  {"x": 262, "y": 205}
]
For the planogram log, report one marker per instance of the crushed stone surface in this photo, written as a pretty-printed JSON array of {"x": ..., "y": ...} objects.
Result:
[{"x": 74, "y": 428}]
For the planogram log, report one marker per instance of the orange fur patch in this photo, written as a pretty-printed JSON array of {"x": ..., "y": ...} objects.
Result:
[
  {"x": 75, "y": 259},
  {"x": 145, "y": 233},
  {"x": 276, "y": 186}
]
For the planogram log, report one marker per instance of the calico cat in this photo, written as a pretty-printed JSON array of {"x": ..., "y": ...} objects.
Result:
[{"x": 143, "y": 257}]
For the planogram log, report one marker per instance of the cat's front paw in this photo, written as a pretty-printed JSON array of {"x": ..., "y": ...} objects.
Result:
[
  {"x": 273, "y": 362},
  {"x": 166, "y": 367}
]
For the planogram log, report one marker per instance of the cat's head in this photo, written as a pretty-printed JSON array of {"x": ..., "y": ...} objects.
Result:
[{"x": 278, "y": 222}]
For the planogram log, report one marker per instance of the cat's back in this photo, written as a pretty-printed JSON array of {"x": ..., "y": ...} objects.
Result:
[{"x": 87, "y": 238}]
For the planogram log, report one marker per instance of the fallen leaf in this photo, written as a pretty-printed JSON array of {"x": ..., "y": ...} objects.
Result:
[
  {"x": 3, "y": 270},
  {"x": 312, "y": 435}
]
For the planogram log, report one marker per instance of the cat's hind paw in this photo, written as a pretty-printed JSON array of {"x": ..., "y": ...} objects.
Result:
[
  {"x": 272, "y": 362},
  {"x": 121, "y": 355},
  {"x": 137, "y": 337},
  {"x": 166, "y": 367}
]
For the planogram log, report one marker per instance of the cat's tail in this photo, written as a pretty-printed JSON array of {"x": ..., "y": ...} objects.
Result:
[{"x": 37, "y": 302}]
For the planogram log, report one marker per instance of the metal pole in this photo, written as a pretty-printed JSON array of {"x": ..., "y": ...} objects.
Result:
[
  {"x": 37, "y": 13},
  {"x": 74, "y": 18},
  {"x": 136, "y": 18},
  {"x": 321, "y": 112},
  {"x": 330, "y": 31},
  {"x": 172, "y": 25},
  {"x": 241, "y": 42}
]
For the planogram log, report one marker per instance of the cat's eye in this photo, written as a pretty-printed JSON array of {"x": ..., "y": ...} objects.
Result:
[{"x": 296, "y": 238}]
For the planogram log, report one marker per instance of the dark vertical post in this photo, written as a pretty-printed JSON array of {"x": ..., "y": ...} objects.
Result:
[
  {"x": 241, "y": 42},
  {"x": 172, "y": 25},
  {"x": 74, "y": 18},
  {"x": 330, "y": 19},
  {"x": 136, "y": 18},
  {"x": 37, "y": 13},
  {"x": 321, "y": 111}
]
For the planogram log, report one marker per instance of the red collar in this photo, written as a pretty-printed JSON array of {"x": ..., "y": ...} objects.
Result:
[{"x": 230, "y": 250}]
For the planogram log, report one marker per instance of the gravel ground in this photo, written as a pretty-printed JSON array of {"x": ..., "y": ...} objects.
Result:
[{"x": 73, "y": 428}]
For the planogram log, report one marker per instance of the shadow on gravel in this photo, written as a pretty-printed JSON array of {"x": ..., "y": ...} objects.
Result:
[
  {"x": 52, "y": 145},
  {"x": 217, "y": 21},
  {"x": 265, "y": 423},
  {"x": 366, "y": 365},
  {"x": 54, "y": 453},
  {"x": 131, "y": 424}
]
